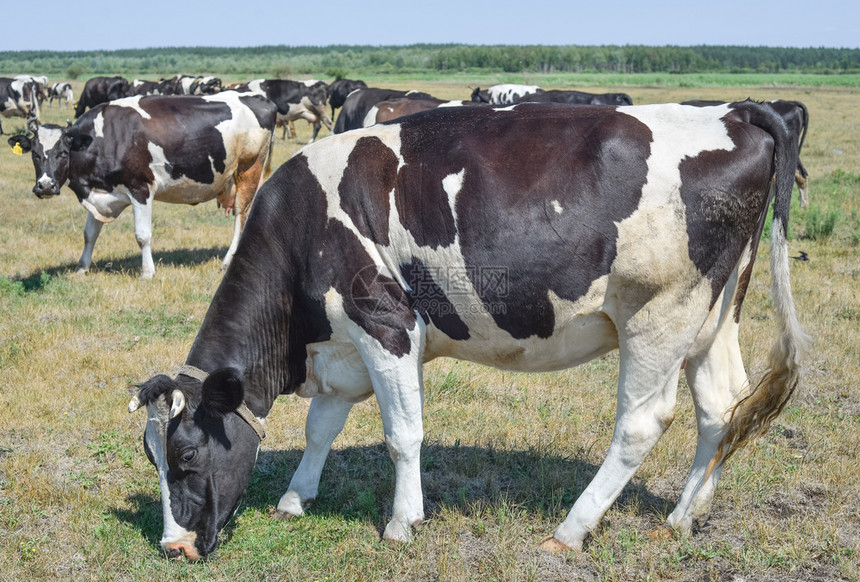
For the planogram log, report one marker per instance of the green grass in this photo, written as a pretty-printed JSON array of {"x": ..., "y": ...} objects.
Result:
[{"x": 505, "y": 455}]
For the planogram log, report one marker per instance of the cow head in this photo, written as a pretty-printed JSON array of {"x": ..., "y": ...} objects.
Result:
[
  {"x": 204, "y": 453},
  {"x": 50, "y": 147}
]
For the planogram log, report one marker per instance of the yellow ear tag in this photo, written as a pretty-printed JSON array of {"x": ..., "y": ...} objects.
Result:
[{"x": 18, "y": 150}]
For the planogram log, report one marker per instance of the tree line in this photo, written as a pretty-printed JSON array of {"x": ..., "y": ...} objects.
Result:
[{"x": 337, "y": 60}]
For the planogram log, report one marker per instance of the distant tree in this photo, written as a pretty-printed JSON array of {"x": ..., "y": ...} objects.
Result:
[
  {"x": 282, "y": 71},
  {"x": 74, "y": 71}
]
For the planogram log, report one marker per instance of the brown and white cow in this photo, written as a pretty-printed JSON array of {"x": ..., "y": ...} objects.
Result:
[
  {"x": 134, "y": 151},
  {"x": 395, "y": 108},
  {"x": 530, "y": 238}
]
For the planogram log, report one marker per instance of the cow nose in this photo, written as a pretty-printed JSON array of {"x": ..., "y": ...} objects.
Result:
[{"x": 174, "y": 553}]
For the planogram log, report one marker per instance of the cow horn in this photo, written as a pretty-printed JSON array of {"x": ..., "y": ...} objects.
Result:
[
  {"x": 134, "y": 404},
  {"x": 178, "y": 403}
]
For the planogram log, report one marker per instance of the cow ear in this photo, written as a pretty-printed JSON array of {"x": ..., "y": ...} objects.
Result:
[
  {"x": 222, "y": 392},
  {"x": 80, "y": 142},
  {"x": 21, "y": 142}
]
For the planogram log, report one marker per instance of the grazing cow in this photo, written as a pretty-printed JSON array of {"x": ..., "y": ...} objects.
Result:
[
  {"x": 136, "y": 150},
  {"x": 394, "y": 108},
  {"x": 295, "y": 100},
  {"x": 479, "y": 96},
  {"x": 18, "y": 98},
  {"x": 61, "y": 92},
  {"x": 359, "y": 102},
  {"x": 508, "y": 93},
  {"x": 576, "y": 98},
  {"x": 101, "y": 90},
  {"x": 531, "y": 238},
  {"x": 340, "y": 89},
  {"x": 796, "y": 117}
]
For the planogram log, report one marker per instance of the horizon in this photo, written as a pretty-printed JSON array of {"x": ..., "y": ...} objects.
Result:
[{"x": 106, "y": 25}]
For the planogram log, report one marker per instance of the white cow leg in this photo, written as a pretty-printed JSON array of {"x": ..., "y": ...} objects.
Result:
[
  {"x": 237, "y": 231},
  {"x": 91, "y": 235},
  {"x": 716, "y": 376},
  {"x": 143, "y": 235},
  {"x": 647, "y": 386},
  {"x": 326, "y": 417}
]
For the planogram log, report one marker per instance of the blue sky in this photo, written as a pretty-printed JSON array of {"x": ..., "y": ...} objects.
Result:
[{"x": 115, "y": 24}]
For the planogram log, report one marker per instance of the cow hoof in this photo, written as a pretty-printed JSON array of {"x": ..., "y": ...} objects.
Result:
[
  {"x": 279, "y": 515},
  {"x": 552, "y": 546},
  {"x": 400, "y": 533}
]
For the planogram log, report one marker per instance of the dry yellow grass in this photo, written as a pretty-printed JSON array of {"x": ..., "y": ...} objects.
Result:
[{"x": 505, "y": 456}]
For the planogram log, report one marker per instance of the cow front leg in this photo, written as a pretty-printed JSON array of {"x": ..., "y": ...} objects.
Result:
[
  {"x": 143, "y": 235},
  {"x": 326, "y": 417},
  {"x": 91, "y": 234}
]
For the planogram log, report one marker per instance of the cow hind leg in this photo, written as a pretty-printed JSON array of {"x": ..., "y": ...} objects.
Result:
[
  {"x": 248, "y": 179},
  {"x": 716, "y": 377},
  {"x": 91, "y": 234},
  {"x": 326, "y": 417}
]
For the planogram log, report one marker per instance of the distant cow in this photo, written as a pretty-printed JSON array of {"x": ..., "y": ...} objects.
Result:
[
  {"x": 339, "y": 90},
  {"x": 576, "y": 98},
  {"x": 205, "y": 86},
  {"x": 480, "y": 96},
  {"x": 18, "y": 98},
  {"x": 137, "y": 150},
  {"x": 508, "y": 93},
  {"x": 140, "y": 87},
  {"x": 61, "y": 92},
  {"x": 294, "y": 100},
  {"x": 395, "y": 108},
  {"x": 529, "y": 238},
  {"x": 359, "y": 102},
  {"x": 41, "y": 84},
  {"x": 796, "y": 117},
  {"x": 101, "y": 90}
]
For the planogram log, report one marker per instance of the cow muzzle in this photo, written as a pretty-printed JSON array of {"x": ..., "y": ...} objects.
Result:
[{"x": 46, "y": 188}]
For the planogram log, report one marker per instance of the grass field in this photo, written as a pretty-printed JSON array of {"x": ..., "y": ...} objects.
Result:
[{"x": 505, "y": 454}]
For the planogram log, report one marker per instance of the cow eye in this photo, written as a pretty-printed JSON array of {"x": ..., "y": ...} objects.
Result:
[{"x": 188, "y": 455}]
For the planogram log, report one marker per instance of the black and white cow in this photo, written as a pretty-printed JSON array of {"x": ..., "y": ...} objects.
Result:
[
  {"x": 480, "y": 96},
  {"x": 142, "y": 87},
  {"x": 508, "y": 93},
  {"x": 796, "y": 117},
  {"x": 205, "y": 86},
  {"x": 101, "y": 90},
  {"x": 61, "y": 92},
  {"x": 134, "y": 151},
  {"x": 576, "y": 98},
  {"x": 359, "y": 102},
  {"x": 295, "y": 100},
  {"x": 18, "y": 98},
  {"x": 340, "y": 89},
  {"x": 531, "y": 238}
]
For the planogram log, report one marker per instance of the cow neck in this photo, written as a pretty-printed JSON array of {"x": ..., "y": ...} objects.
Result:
[{"x": 243, "y": 411}]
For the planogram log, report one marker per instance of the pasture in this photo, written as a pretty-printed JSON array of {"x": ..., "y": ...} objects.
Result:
[{"x": 505, "y": 454}]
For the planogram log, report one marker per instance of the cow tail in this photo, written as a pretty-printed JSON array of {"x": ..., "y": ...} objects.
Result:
[{"x": 752, "y": 415}]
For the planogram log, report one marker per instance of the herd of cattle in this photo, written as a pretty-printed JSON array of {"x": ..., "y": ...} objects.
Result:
[{"x": 573, "y": 230}]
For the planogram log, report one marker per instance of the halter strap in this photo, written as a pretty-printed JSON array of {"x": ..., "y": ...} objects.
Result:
[{"x": 243, "y": 411}]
